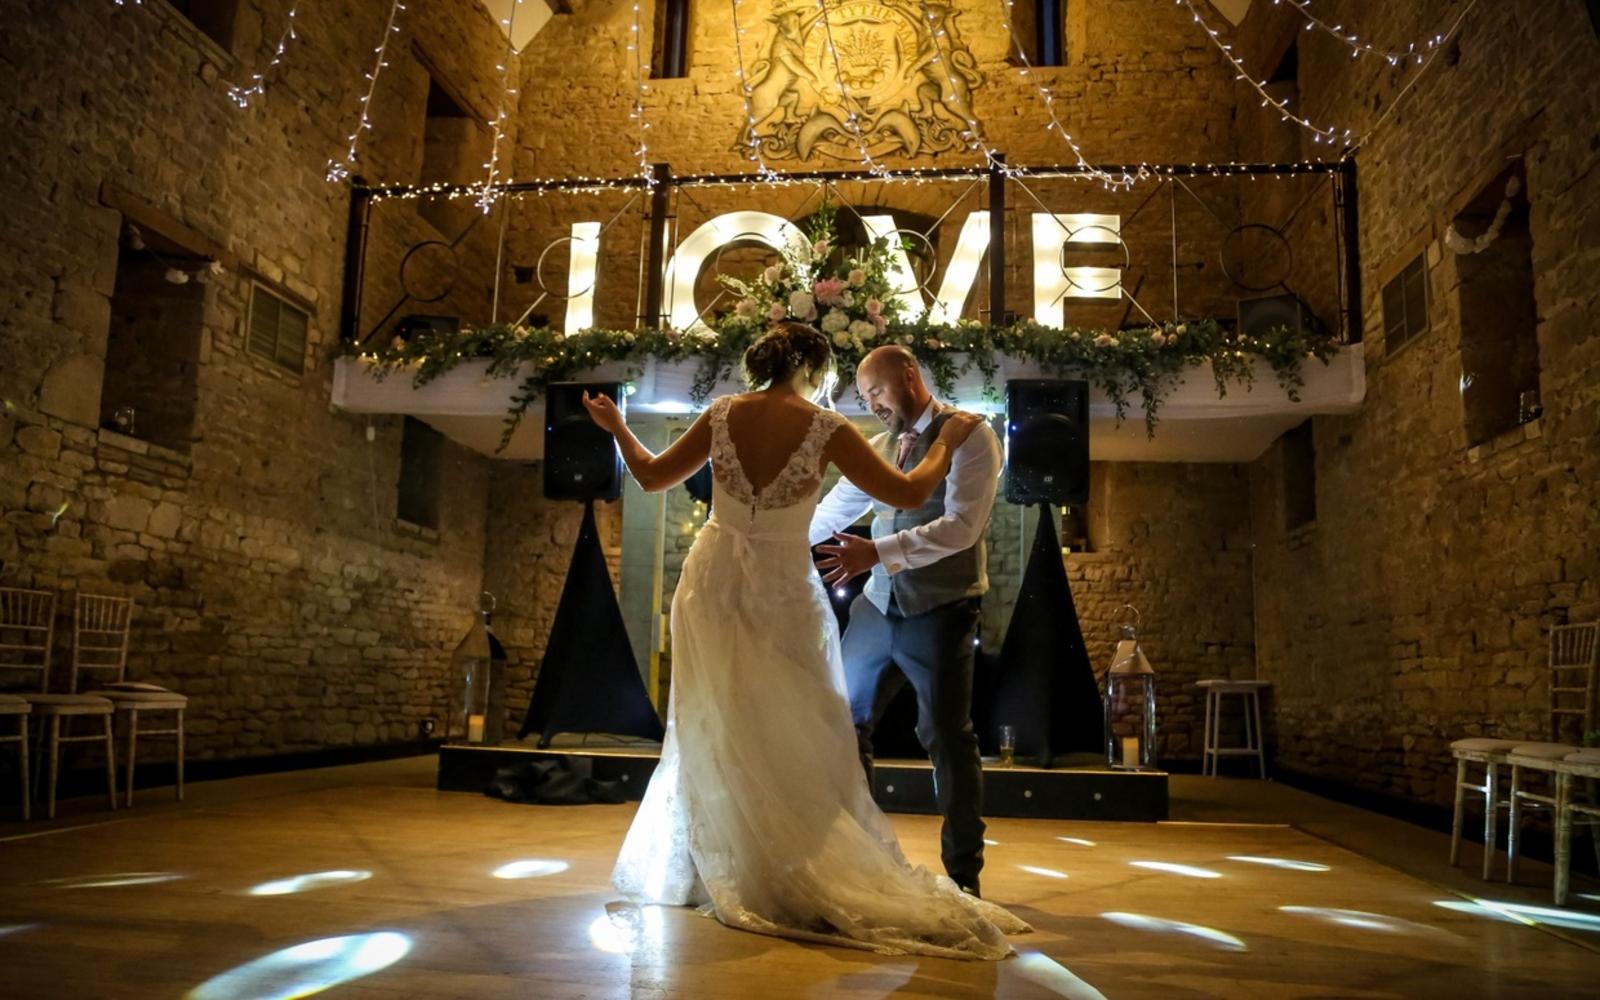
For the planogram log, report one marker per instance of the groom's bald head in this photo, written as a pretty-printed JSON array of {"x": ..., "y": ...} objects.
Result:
[{"x": 890, "y": 381}]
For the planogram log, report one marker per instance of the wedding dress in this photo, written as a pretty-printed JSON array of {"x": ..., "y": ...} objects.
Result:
[{"x": 759, "y": 808}]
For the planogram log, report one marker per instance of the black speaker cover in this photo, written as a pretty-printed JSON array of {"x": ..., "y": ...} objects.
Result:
[
  {"x": 1044, "y": 685},
  {"x": 589, "y": 680},
  {"x": 1047, "y": 441},
  {"x": 581, "y": 461}
]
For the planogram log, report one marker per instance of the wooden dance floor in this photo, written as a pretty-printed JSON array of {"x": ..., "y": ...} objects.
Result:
[{"x": 389, "y": 891}]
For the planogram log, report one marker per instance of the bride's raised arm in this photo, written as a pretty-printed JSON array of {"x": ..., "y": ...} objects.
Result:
[
  {"x": 654, "y": 473},
  {"x": 864, "y": 467}
]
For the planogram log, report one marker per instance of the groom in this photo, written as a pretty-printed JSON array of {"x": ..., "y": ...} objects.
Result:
[{"x": 919, "y": 611}]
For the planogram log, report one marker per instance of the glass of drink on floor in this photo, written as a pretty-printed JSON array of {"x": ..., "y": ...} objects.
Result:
[{"x": 1008, "y": 746}]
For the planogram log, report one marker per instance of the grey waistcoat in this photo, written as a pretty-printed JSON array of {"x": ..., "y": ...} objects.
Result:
[{"x": 956, "y": 576}]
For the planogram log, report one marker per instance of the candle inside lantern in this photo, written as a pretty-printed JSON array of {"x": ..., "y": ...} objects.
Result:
[
  {"x": 474, "y": 729},
  {"x": 1130, "y": 751}
]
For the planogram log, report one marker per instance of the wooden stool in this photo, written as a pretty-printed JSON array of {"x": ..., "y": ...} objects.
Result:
[
  {"x": 1250, "y": 693},
  {"x": 57, "y": 707},
  {"x": 10, "y": 704}
]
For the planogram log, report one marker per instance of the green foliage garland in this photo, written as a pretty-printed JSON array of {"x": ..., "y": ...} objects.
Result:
[{"x": 850, "y": 298}]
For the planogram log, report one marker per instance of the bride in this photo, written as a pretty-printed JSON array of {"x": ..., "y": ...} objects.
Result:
[{"x": 759, "y": 808}]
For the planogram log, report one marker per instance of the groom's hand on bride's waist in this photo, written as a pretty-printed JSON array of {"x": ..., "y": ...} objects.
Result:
[{"x": 846, "y": 557}]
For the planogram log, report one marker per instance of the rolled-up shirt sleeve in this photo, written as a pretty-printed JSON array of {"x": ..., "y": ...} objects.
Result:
[{"x": 968, "y": 501}]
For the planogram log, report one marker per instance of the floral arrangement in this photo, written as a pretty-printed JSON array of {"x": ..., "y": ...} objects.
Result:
[{"x": 850, "y": 297}]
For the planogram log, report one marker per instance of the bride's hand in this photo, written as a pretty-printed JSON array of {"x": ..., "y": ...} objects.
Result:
[
  {"x": 958, "y": 428},
  {"x": 603, "y": 411}
]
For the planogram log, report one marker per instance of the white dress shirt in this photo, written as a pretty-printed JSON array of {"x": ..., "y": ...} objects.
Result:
[{"x": 968, "y": 500}]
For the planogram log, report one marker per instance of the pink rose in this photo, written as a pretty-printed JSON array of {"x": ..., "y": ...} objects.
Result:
[
  {"x": 829, "y": 291},
  {"x": 874, "y": 307},
  {"x": 821, "y": 247},
  {"x": 776, "y": 312},
  {"x": 878, "y": 321}
]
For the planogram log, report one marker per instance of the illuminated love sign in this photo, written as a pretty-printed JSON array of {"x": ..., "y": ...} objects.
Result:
[{"x": 1053, "y": 282}]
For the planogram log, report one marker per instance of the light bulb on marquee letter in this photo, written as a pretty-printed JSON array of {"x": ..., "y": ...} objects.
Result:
[
  {"x": 585, "y": 251},
  {"x": 683, "y": 270},
  {"x": 1051, "y": 282}
]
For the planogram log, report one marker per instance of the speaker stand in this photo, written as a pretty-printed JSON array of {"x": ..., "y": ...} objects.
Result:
[
  {"x": 1045, "y": 688},
  {"x": 589, "y": 681}
]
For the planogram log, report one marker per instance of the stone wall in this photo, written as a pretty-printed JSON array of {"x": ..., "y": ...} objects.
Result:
[
  {"x": 274, "y": 584},
  {"x": 1173, "y": 540},
  {"x": 1416, "y": 608},
  {"x": 1139, "y": 86}
]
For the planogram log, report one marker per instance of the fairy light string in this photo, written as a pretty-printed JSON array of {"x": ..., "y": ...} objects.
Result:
[
  {"x": 242, "y": 96},
  {"x": 490, "y": 192},
  {"x": 338, "y": 170}
]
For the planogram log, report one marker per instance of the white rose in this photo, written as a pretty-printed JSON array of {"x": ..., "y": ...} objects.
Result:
[
  {"x": 835, "y": 321},
  {"x": 862, "y": 329},
  {"x": 772, "y": 274},
  {"x": 847, "y": 299},
  {"x": 841, "y": 339},
  {"x": 801, "y": 303}
]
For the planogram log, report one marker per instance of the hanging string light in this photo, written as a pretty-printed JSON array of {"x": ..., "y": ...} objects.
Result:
[
  {"x": 764, "y": 172},
  {"x": 1394, "y": 57},
  {"x": 1319, "y": 133},
  {"x": 636, "y": 46},
  {"x": 1401, "y": 96},
  {"x": 873, "y": 166},
  {"x": 1346, "y": 139},
  {"x": 973, "y": 133},
  {"x": 1112, "y": 182},
  {"x": 338, "y": 170},
  {"x": 491, "y": 192},
  {"x": 242, "y": 96}
]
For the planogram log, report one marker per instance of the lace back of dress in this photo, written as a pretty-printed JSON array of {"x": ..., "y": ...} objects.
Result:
[{"x": 798, "y": 480}]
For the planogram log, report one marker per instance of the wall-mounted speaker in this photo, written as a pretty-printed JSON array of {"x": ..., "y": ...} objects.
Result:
[
  {"x": 1047, "y": 441},
  {"x": 1259, "y": 317},
  {"x": 410, "y": 325},
  {"x": 581, "y": 461}
]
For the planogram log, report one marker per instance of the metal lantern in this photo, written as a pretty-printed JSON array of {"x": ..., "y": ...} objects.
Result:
[
  {"x": 1130, "y": 702},
  {"x": 480, "y": 668}
]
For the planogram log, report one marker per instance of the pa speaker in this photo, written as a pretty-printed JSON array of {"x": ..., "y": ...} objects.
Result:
[
  {"x": 1047, "y": 441},
  {"x": 581, "y": 461},
  {"x": 1259, "y": 317}
]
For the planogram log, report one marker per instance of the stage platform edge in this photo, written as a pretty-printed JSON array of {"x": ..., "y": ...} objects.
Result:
[{"x": 1081, "y": 792}]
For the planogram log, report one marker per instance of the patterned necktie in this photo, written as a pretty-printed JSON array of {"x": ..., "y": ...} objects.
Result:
[{"x": 908, "y": 441}]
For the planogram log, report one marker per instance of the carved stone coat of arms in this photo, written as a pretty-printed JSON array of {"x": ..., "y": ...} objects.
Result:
[{"x": 896, "y": 70}]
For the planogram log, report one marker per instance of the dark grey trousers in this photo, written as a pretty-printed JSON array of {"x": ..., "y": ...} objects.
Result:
[{"x": 934, "y": 652}]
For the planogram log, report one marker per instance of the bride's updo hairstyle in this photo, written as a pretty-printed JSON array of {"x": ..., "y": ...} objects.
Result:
[{"x": 783, "y": 350}]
